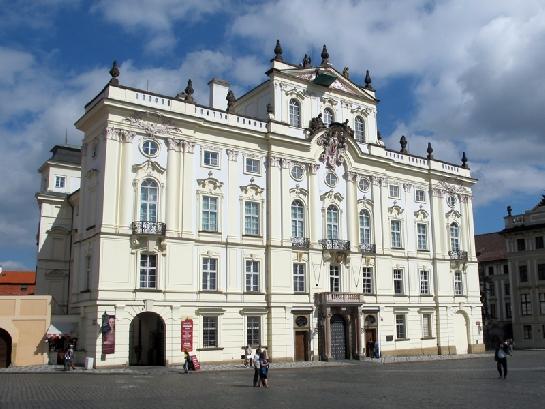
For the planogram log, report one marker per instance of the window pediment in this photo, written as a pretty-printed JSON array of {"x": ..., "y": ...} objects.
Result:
[
  {"x": 148, "y": 168},
  {"x": 299, "y": 192},
  {"x": 332, "y": 196},
  {"x": 453, "y": 214},
  {"x": 421, "y": 215},
  {"x": 395, "y": 211},
  {"x": 252, "y": 191},
  {"x": 210, "y": 185},
  {"x": 365, "y": 204}
]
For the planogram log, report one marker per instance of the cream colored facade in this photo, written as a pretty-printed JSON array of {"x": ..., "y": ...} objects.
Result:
[{"x": 318, "y": 295}]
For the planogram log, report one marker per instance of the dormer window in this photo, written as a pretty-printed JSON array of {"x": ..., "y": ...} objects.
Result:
[
  {"x": 359, "y": 129},
  {"x": 295, "y": 113},
  {"x": 328, "y": 117},
  {"x": 60, "y": 182}
]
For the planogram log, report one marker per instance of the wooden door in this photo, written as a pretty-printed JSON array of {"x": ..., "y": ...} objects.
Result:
[
  {"x": 300, "y": 345},
  {"x": 370, "y": 339}
]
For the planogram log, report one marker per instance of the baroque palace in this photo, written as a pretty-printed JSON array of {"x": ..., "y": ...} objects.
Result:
[{"x": 278, "y": 219}]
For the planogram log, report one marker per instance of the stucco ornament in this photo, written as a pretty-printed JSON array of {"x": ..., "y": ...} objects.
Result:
[{"x": 334, "y": 143}]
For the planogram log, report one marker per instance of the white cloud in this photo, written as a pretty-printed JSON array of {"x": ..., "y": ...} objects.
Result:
[{"x": 8, "y": 265}]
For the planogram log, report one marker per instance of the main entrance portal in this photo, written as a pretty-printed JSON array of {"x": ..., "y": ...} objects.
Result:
[
  {"x": 147, "y": 340},
  {"x": 5, "y": 349},
  {"x": 338, "y": 337}
]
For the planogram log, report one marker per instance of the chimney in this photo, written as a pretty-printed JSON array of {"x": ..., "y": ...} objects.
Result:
[{"x": 218, "y": 93}]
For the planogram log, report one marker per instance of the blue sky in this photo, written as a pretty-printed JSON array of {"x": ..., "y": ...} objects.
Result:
[{"x": 467, "y": 76}]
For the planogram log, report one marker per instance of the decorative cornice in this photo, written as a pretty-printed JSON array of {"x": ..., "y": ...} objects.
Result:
[
  {"x": 421, "y": 214},
  {"x": 299, "y": 191},
  {"x": 232, "y": 155},
  {"x": 252, "y": 191},
  {"x": 210, "y": 184},
  {"x": 331, "y": 196},
  {"x": 395, "y": 210},
  {"x": 161, "y": 126}
]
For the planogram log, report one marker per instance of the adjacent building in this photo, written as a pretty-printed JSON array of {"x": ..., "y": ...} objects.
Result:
[
  {"x": 278, "y": 218},
  {"x": 17, "y": 282}
]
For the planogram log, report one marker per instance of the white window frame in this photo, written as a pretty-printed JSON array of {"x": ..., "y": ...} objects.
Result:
[
  {"x": 327, "y": 122},
  {"x": 422, "y": 237},
  {"x": 397, "y": 275},
  {"x": 299, "y": 282},
  {"x": 427, "y": 327},
  {"x": 359, "y": 129},
  {"x": 394, "y": 191},
  {"x": 145, "y": 215},
  {"x": 454, "y": 234},
  {"x": 367, "y": 280},
  {"x": 293, "y": 170},
  {"x": 365, "y": 231},
  {"x": 294, "y": 117},
  {"x": 208, "y": 165},
  {"x": 210, "y": 212},
  {"x": 425, "y": 287},
  {"x": 60, "y": 182},
  {"x": 297, "y": 220},
  {"x": 143, "y": 148},
  {"x": 401, "y": 326},
  {"x": 332, "y": 226},
  {"x": 250, "y": 330},
  {"x": 393, "y": 234},
  {"x": 335, "y": 278},
  {"x": 364, "y": 184},
  {"x": 252, "y": 276},
  {"x": 458, "y": 283},
  {"x": 252, "y": 161},
  {"x": 252, "y": 219},
  {"x": 417, "y": 199},
  {"x": 207, "y": 272},
  {"x": 331, "y": 179},
  {"x": 207, "y": 327},
  {"x": 145, "y": 272}
]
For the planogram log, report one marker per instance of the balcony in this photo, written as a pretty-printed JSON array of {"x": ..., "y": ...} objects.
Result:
[
  {"x": 302, "y": 243},
  {"x": 458, "y": 255},
  {"x": 335, "y": 244},
  {"x": 148, "y": 228},
  {"x": 367, "y": 248},
  {"x": 339, "y": 298}
]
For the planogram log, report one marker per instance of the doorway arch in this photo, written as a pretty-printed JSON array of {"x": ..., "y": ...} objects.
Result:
[
  {"x": 5, "y": 348},
  {"x": 147, "y": 340},
  {"x": 338, "y": 337},
  {"x": 460, "y": 333}
]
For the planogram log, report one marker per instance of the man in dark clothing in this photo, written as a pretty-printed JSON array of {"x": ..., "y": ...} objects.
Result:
[{"x": 502, "y": 350}]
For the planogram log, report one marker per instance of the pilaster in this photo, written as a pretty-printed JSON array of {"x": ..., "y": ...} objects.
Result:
[
  {"x": 314, "y": 204},
  {"x": 274, "y": 193},
  {"x": 188, "y": 212},
  {"x": 232, "y": 200},
  {"x": 172, "y": 186},
  {"x": 351, "y": 211}
]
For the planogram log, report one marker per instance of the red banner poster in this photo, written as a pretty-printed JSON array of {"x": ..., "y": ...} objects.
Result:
[
  {"x": 108, "y": 334},
  {"x": 187, "y": 335}
]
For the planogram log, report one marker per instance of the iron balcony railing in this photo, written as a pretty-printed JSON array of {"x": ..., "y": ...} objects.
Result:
[
  {"x": 339, "y": 298},
  {"x": 367, "y": 248},
  {"x": 458, "y": 255},
  {"x": 300, "y": 242},
  {"x": 335, "y": 244},
  {"x": 152, "y": 228}
]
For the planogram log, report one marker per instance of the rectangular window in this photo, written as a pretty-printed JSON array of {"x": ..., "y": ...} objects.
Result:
[
  {"x": 401, "y": 330},
  {"x": 253, "y": 331},
  {"x": 424, "y": 282},
  {"x": 211, "y": 158},
  {"x": 539, "y": 242},
  {"x": 420, "y": 195},
  {"x": 541, "y": 272},
  {"x": 252, "y": 166},
  {"x": 251, "y": 218},
  {"x": 209, "y": 332},
  {"x": 542, "y": 303},
  {"x": 398, "y": 281},
  {"x": 521, "y": 244},
  {"x": 527, "y": 331},
  {"x": 367, "y": 280},
  {"x": 507, "y": 310},
  {"x": 334, "y": 279},
  {"x": 60, "y": 182},
  {"x": 148, "y": 271},
  {"x": 493, "y": 311},
  {"x": 209, "y": 274},
  {"x": 523, "y": 273},
  {"x": 525, "y": 304},
  {"x": 422, "y": 236},
  {"x": 252, "y": 276},
  {"x": 490, "y": 270},
  {"x": 505, "y": 269},
  {"x": 394, "y": 191},
  {"x": 426, "y": 325},
  {"x": 458, "y": 284},
  {"x": 396, "y": 233},
  {"x": 209, "y": 213},
  {"x": 299, "y": 277},
  {"x": 507, "y": 288}
]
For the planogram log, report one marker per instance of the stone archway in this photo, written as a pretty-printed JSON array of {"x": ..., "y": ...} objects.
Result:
[
  {"x": 461, "y": 339},
  {"x": 147, "y": 340},
  {"x": 5, "y": 348}
]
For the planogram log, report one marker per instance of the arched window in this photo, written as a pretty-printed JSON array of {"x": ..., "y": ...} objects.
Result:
[
  {"x": 297, "y": 219},
  {"x": 332, "y": 222},
  {"x": 148, "y": 200},
  {"x": 328, "y": 117},
  {"x": 454, "y": 237},
  {"x": 295, "y": 113},
  {"x": 359, "y": 129},
  {"x": 365, "y": 227}
]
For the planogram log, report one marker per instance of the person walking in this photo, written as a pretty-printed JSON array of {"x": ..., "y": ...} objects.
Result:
[
  {"x": 257, "y": 367},
  {"x": 500, "y": 355},
  {"x": 69, "y": 358},
  {"x": 186, "y": 361},
  {"x": 264, "y": 369}
]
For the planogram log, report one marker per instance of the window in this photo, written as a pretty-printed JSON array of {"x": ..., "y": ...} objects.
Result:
[
  {"x": 359, "y": 129},
  {"x": 299, "y": 277},
  {"x": 334, "y": 279},
  {"x": 527, "y": 331},
  {"x": 363, "y": 184},
  {"x": 209, "y": 332},
  {"x": 398, "y": 281},
  {"x": 454, "y": 237},
  {"x": 209, "y": 274},
  {"x": 148, "y": 271},
  {"x": 60, "y": 182},
  {"x": 541, "y": 272},
  {"x": 251, "y": 218},
  {"x": 252, "y": 166},
  {"x": 401, "y": 330},
  {"x": 505, "y": 269},
  {"x": 297, "y": 172},
  {"x": 523, "y": 273},
  {"x": 297, "y": 219},
  {"x": 331, "y": 179},
  {"x": 424, "y": 282},
  {"x": 490, "y": 270},
  {"x": 493, "y": 311},
  {"x": 209, "y": 213},
  {"x": 525, "y": 304},
  {"x": 539, "y": 242},
  {"x": 422, "y": 236},
  {"x": 328, "y": 117},
  {"x": 252, "y": 276},
  {"x": 396, "y": 233},
  {"x": 394, "y": 191},
  {"x": 426, "y": 325},
  {"x": 542, "y": 303},
  {"x": 521, "y": 245},
  {"x": 365, "y": 227},
  {"x": 150, "y": 147},
  {"x": 458, "y": 284},
  {"x": 507, "y": 310},
  {"x": 367, "y": 280},
  {"x": 148, "y": 200},
  {"x": 253, "y": 331},
  {"x": 295, "y": 113},
  {"x": 332, "y": 222},
  {"x": 419, "y": 195},
  {"x": 506, "y": 288},
  {"x": 211, "y": 159},
  {"x": 86, "y": 282}
]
